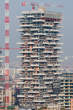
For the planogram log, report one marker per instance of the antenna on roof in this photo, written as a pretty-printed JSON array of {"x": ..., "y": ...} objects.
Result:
[{"x": 34, "y": 5}]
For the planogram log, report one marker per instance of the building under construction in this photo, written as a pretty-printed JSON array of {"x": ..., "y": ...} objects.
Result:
[{"x": 40, "y": 71}]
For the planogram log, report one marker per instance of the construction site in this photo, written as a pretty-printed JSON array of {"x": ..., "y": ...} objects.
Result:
[{"x": 31, "y": 73}]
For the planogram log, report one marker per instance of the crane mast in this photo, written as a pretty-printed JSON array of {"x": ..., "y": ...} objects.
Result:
[{"x": 7, "y": 35}]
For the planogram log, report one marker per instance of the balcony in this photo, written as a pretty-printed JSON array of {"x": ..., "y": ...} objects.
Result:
[
  {"x": 54, "y": 30},
  {"x": 39, "y": 74},
  {"x": 28, "y": 78},
  {"x": 57, "y": 65},
  {"x": 30, "y": 16},
  {"x": 54, "y": 56},
  {"x": 34, "y": 29},
  {"x": 56, "y": 22},
  {"x": 49, "y": 91},
  {"x": 48, "y": 38},
  {"x": 33, "y": 92},
  {"x": 27, "y": 34},
  {"x": 31, "y": 43},
  {"x": 26, "y": 52},
  {"x": 48, "y": 78},
  {"x": 54, "y": 95},
  {"x": 45, "y": 43},
  {"x": 39, "y": 101},
  {"x": 46, "y": 96},
  {"x": 20, "y": 83},
  {"x": 26, "y": 87},
  {"x": 59, "y": 35},
  {"x": 26, "y": 25},
  {"x": 56, "y": 39},
  {"x": 35, "y": 83},
  {"x": 39, "y": 87},
  {"x": 38, "y": 21},
  {"x": 48, "y": 82},
  {"x": 20, "y": 56},
  {"x": 26, "y": 61},
  {"x": 34, "y": 38},
  {"x": 39, "y": 34},
  {"x": 31, "y": 70},
  {"x": 30, "y": 96},
  {"x": 34, "y": 56},
  {"x": 58, "y": 48},
  {"x": 49, "y": 64},
  {"x": 47, "y": 25},
  {"x": 41, "y": 61},
  {"x": 34, "y": 65},
  {"x": 20, "y": 96},
  {"x": 38, "y": 47}
]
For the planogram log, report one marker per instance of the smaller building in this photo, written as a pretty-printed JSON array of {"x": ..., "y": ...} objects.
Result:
[
  {"x": 71, "y": 104},
  {"x": 68, "y": 90}
]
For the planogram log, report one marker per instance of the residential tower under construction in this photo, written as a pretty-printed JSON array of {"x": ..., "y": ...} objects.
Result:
[{"x": 40, "y": 71}]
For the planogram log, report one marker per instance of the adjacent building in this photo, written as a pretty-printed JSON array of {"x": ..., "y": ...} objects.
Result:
[
  {"x": 40, "y": 56},
  {"x": 1, "y": 82},
  {"x": 68, "y": 90}
]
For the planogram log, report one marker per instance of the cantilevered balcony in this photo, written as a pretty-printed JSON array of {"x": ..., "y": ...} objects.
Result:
[
  {"x": 48, "y": 78},
  {"x": 28, "y": 78},
  {"x": 20, "y": 83},
  {"x": 59, "y": 35},
  {"x": 38, "y": 47},
  {"x": 54, "y": 30},
  {"x": 20, "y": 96},
  {"x": 38, "y": 21},
  {"x": 34, "y": 65},
  {"x": 54, "y": 56},
  {"x": 57, "y": 48},
  {"x": 26, "y": 25},
  {"x": 33, "y": 92},
  {"x": 46, "y": 96},
  {"x": 31, "y": 43},
  {"x": 41, "y": 61},
  {"x": 26, "y": 87},
  {"x": 26, "y": 34},
  {"x": 39, "y": 34},
  {"x": 34, "y": 29},
  {"x": 34, "y": 56},
  {"x": 30, "y": 16},
  {"x": 26, "y": 52},
  {"x": 30, "y": 69},
  {"x": 39, "y": 101},
  {"x": 38, "y": 74},
  {"x": 40, "y": 87},
  {"x": 47, "y": 25}
]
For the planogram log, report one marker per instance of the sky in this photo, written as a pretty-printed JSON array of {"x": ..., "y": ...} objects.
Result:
[{"x": 15, "y": 10}]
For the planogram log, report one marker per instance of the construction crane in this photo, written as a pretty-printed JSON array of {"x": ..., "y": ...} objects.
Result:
[{"x": 7, "y": 37}]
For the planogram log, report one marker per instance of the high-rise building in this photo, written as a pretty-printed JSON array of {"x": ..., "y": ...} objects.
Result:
[
  {"x": 68, "y": 90},
  {"x": 40, "y": 57}
]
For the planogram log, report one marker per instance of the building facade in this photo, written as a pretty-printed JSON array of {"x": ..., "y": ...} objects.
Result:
[
  {"x": 40, "y": 57},
  {"x": 68, "y": 90},
  {"x": 1, "y": 81}
]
